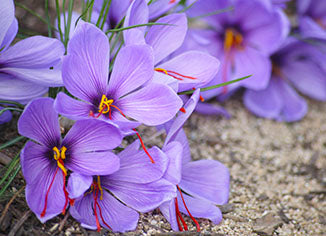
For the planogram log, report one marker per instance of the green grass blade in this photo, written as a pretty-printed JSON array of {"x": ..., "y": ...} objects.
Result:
[
  {"x": 136, "y": 26},
  {"x": 12, "y": 103},
  {"x": 11, "y": 142}
]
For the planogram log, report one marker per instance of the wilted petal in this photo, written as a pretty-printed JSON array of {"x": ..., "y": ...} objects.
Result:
[
  {"x": 71, "y": 108},
  {"x": 200, "y": 66},
  {"x": 152, "y": 105},
  {"x": 39, "y": 122},
  {"x": 165, "y": 39},
  {"x": 137, "y": 168},
  {"x": 78, "y": 184},
  {"x": 19, "y": 90},
  {"x": 141, "y": 197},
  {"x": 86, "y": 67},
  {"x": 252, "y": 62},
  {"x": 132, "y": 68},
  {"x": 206, "y": 179},
  {"x": 265, "y": 103}
]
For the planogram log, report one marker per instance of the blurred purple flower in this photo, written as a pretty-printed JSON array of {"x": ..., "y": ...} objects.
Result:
[
  {"x": 297, "y": 64},
  {"x": 5, "y": 116},
  {"x": 86, "y": 149},
  {"x": 128, "y": 93},
  {"x": 312, "y": 18},
  {"x": 201, "y": 185},
  {"x": 183, "y": 72},
  {"x": 113, "y": 200},
  {"x": 31, "y": 66},
  {"x": 242, "y": 38}
]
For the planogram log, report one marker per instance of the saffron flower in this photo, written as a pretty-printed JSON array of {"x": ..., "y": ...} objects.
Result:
[
  {"x": 312, "y": 18},
  {"x": 296, "y": 65},
  {"x": 239, "y": 40},
  {"x": 31, "y": 66},
  {"x": 129, "y": 91},
  {"x": 45, "y": 162},
  {"x": 201, "y": 185},
  {"x": 113, "y": 201},
  {"x": 182, "y": 72}
]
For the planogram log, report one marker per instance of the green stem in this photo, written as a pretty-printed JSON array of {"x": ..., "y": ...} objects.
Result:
[
  {"x": 106, "y": 14},
  {"x": 48, "y": 18},
  {"x": 214, "y": 86},
  {"x": 136, "y": 26},
  {"x": 67, "y": 29},
  {"x": 12, "y": 103},
  {"x": 57, "y": 6},
  {"x": 10, "y": 109},
  {"x": 101, "y": 13}
]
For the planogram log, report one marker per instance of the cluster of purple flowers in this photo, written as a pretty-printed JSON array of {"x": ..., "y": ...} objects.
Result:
[
  {"x": 108, "y": 94},
  {"x": 255, "y": 38}
]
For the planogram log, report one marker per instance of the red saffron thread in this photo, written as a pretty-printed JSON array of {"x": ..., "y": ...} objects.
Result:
[
  {"x": 184, "y": 203},
  {"x": 143, "y": 146},
  {"x": 182, "y": 110},
  {"x": 95, "y": 212},
  {"x": 176, "y": 214},
  {"x": 180, "y": 216},
  {"x": 47, "y": 193}
]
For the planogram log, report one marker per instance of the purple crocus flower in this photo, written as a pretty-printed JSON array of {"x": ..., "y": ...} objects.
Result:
[
  {"x": 297, "y": 64},
  {"x": 201, "y": 185},
  {"x": 113, "y": 201},
  {"x": 239, "y": 40},
  {"x": 31, "y": 66},
  {"x": 182, "y": 72},
  {"x": 129, "y": 93},
  {"x": 312, "y": 18},
  {"x": 85, "y": 149}
]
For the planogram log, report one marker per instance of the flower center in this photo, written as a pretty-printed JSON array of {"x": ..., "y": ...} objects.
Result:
[
  {"x": 104, "y": 106},
  {"x": 232, "y": 38},
  {"x": 59, "y": 156}
]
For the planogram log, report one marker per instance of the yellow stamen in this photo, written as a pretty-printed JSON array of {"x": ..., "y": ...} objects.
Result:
[
  {"x": 161, "y": 70},
  {"x": 232, "y": 38},
  {"x": 100, "y": 187},
  {"x": 104, "y": 106},
  {"x": 59, "y": 157}
]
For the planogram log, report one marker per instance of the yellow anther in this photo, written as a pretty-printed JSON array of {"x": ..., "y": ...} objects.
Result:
[
  {"x": 100, "y": 187},
  {"x": 161, "y": 70},
  {"x": 59, "y": 157},
  {"x": 105, "y": 103},
  {"x": 228, "y": 39},
  {"x": 56, "y": 153},
  {"x": 63, "y": 152},
  {"x": 238, "y": 39}
]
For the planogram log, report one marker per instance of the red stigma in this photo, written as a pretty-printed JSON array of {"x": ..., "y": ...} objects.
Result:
[
  {"x": 179, "y": 217},
  {"x": 47, "y": 193},
  {"x": 200, "y": 96},
  {"x": 143, "y": 146},
  {"x": 174, "y": 74},
  {"x": 172, "y": 1},
  {"x": 182, "y": 110}
]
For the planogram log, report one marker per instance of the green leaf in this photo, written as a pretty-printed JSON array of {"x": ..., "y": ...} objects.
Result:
[
  {"x": 227, "y": 9},
  {"x": 12, "y": 103},
  {"x": 214, "y": 86},
  {"x": 10, "y": 109},
  {"x": 136, "y": 26},
  {"x": 11, "y": 142}
]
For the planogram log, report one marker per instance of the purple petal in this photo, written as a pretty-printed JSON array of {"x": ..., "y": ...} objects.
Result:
[
  {"x": 265, "y": 103},
  {"x": 162, "y": 78},
  {"x": 86, "y": 67},
  {"x": 158, "y": 8},
  {"x": 295, "y": 107},
  {"x": 206, "y": 179},
  {"x": 39, "y": 122},
  {"x": 131, "y": 149},
  {"x": 211, "y": 109},
  {"x": 71, "y": 108},
  {"x": 154, "y": 104},
  {"x": 141, "y": 197},
  {"x": 168, "y": 210},
  {"x": 18, "y": 90},
  {"x": 165, "y": 39},
  {"x": 307, "y": 77},
  {"x": 136, "y": 14},
  {"x": 39, "y": 172},
  {"x": 182, "y": 117},
  {"x": 7, "y": 16},
  {"x": 137, "y": 168},
  {"x": 78, "y": 184},
  {"x": 200, "y": 208},
  {"x": 10, "y": 35},
  {"x": 173, "y": 151},
  {"x": 30, "y": 59},
  {"x": 134, "y": 37},
  {"x": 132, "y": 68},
  {"x": 89, "y": 142},
  {"x": 311, "y": 29},
  {"x": 181, "y": 137},
  {"x": 5, "y": 117},
  {"x": 195, "y": 64},
  {"x": 252, "y": 62}
]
